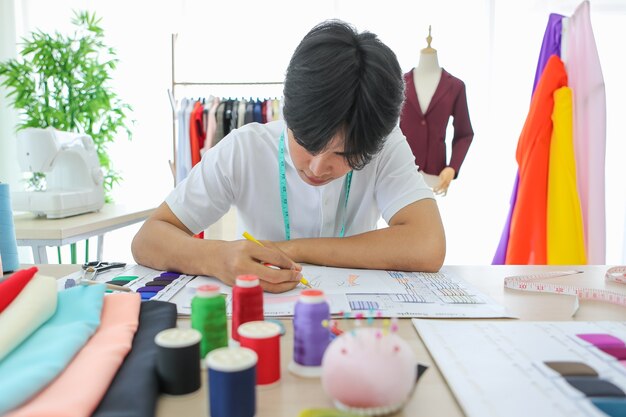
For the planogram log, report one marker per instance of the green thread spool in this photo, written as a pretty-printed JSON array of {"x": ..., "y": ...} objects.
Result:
[{"x": 208, "y": 316}]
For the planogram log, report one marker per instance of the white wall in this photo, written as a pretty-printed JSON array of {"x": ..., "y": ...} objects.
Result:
[
  {"x": 492, "y": 45},
  {"x": 9, "y": 170}
]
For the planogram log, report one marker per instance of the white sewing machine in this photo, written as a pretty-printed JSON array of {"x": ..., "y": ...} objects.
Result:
[{"x": 74, "y": 177}]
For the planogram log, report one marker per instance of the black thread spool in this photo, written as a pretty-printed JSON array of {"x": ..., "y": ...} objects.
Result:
[{"x": 178, "y": 360}]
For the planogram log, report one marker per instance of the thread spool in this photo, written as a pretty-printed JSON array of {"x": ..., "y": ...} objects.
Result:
[
  {"x": 311, "y": 337},
  {"x": 178, "y": 360},
  {"x": 208, "y": 316},
  {"x": 263, "y": 337},
  {"x": 232, "y": 382},
  {"x": 8, "y": 244},
  {"x": 247, "y": 302}
]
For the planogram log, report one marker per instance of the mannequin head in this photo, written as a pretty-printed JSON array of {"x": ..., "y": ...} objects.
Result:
[{"x": 341, "y": 83}]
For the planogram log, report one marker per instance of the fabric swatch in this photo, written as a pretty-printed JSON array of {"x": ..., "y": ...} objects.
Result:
[
  {"x": 97, "y": 362},
  {"x": 134, "y": 391},
  {"x": 42, "y": 357},
  {"x": 595, "y": 387},
  {"x": 572, "y": 368},
  {"x": 32, "y": 307},
  {"x": 602, "y": 340},
  {"x": 613, "y": 407},
  {"x": 13, "y": 285}
]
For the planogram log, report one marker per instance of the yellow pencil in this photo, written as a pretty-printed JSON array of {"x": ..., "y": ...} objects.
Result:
[{"x": 251, "y": 238}]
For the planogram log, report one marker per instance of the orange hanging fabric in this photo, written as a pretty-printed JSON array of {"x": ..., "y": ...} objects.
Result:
[{"x": 527, "y": 240}]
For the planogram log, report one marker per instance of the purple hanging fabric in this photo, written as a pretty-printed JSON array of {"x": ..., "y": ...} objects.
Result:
[{"x": 551, "y": 45}]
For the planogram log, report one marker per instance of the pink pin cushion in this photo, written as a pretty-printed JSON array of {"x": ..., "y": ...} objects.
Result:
[{"x": 369, "y": 372}]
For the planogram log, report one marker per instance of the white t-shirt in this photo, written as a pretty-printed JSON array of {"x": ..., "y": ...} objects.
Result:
[{"x": 242, "y": 171}]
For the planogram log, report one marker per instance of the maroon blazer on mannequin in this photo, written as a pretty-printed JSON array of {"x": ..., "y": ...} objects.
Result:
[{"x": 426, "y": 133}]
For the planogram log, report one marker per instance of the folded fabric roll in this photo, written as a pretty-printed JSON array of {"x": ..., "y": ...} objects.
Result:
[
  {"x": 32, "y": 307},
  {"x": 135, "y": 388},
  {"x": 41, "y": 357},
  {"x": 89, "y": 374},
  {"x": 13, "y": 285}
]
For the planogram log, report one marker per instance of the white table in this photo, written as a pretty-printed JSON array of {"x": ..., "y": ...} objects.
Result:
[
  {"x": 432, "y": 396},
  {"x": 39, "y": 232}
]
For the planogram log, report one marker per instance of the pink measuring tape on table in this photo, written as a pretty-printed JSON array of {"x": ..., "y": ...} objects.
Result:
[{"x": 535, "y": 283}]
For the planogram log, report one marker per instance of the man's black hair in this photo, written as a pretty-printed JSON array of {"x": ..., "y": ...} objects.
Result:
[{"x": 342, "y": 81}]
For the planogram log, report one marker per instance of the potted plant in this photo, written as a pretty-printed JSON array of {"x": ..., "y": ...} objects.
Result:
[{"x": 62, "y": 82}]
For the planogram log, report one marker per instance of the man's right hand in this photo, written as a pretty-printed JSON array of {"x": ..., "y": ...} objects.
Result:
[{"x": 243, "y": 257}]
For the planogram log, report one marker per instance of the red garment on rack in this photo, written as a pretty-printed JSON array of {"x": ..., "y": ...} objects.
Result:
[
  {"x": 527, "y": 240},
  {"x": 197, "y": 132}
]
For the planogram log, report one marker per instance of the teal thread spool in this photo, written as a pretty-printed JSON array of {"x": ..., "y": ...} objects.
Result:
[
  {"x": 208, "y": 316},
  {"x": 8, "y": 244}
]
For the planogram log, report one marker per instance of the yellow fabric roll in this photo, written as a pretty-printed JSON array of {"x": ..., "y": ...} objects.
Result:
[
  {"x": 565, "y": 236},
  {"x": 34, "y": 305}
]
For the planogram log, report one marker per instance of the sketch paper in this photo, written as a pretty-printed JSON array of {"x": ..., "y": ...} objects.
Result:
[{"x": 392, "y": 293}]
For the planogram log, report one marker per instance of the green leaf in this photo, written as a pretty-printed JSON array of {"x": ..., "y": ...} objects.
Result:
[{"x": 63, "y": 81}]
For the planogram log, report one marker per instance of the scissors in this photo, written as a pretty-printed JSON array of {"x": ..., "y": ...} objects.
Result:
[{"x": 91, "y": 269}]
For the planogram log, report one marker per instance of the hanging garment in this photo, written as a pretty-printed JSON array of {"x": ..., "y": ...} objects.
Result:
[
  {"x": 565, "y": 238},
  {"x": 249, "y": 117},
  {"x": 219, "y": 118},
  {"x": 241, "y": 113},
  {"x": 551, "y": 45},
  {"x": 183, "y": 154},
  {"x": 97, "y": 362},
  {"x": 587, "y": 84},
  {"x": 197, "y": 134},
  {"x": 426, "y": 133},
  {"x": 527, "y": 240},
  {"x": 211, "y": 125}
]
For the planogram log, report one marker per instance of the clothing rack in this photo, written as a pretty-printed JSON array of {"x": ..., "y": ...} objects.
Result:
[{"x": 172, "y": 97}]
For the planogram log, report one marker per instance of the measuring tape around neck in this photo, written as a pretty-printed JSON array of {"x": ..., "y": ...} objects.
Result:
[
  {"x": 283, "y": 191},
  {"x": 535, "y": 283}
]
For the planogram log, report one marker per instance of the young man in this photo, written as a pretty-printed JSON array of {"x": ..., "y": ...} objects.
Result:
[{"x": 310, "y": 188}]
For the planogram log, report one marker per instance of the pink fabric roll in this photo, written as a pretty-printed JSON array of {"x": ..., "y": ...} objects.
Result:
[
  {"x": 78, "y": 390},
  {"x": 587, "y": 84}
]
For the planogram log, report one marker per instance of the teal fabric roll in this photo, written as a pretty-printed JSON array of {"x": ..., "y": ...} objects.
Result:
[
  {"x": 8, "y": 246},
  {"x": 41, "y": 357}
]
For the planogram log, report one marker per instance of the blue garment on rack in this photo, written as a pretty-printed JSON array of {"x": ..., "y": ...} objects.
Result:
[
  {"x": 257, "y": 117},
  {"x": 42, "y": 357}
]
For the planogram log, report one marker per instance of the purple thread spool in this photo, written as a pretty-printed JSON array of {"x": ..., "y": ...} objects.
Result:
[{"x": 311, "y": 337}]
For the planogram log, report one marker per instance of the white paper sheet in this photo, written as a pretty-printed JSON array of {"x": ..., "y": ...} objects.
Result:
[{"x": 497, "y": 368}]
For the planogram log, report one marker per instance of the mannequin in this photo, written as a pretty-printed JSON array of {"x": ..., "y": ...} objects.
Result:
[
  {"x": 427, "y": 74},
  {"x": 438, "y": 95}
]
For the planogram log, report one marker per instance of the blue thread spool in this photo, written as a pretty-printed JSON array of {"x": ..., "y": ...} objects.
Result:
[
  {"x": 232, "y": 382},
  {"x": 8, "y": 246},
  {"x": 310, "y": 336}
]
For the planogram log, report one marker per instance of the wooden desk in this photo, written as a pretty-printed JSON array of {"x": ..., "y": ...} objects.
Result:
[
  {"x": 39, "y": 232},
  {"x": 432, "y": 396}
]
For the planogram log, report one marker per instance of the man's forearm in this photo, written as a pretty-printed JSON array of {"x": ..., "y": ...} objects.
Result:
[
  {"x": 163, "y": 246},
  {"x": 393, "y": 248}
]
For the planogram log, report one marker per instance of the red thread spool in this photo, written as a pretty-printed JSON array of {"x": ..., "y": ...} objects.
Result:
[
  {"x": 247, "y": 302},
  {"x": 264, "y": 338}
]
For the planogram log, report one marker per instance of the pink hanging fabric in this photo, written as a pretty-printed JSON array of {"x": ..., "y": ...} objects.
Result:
[{"x": 587, "y": 84}]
